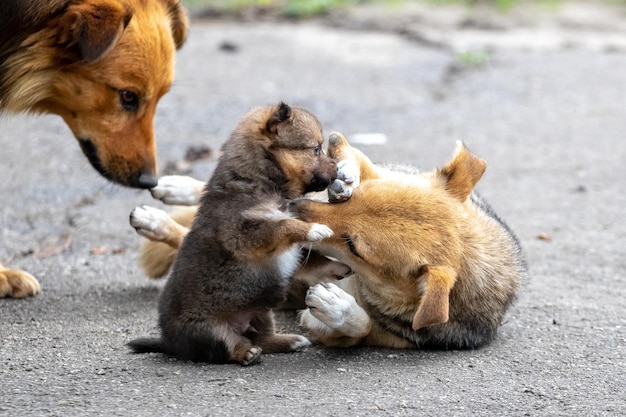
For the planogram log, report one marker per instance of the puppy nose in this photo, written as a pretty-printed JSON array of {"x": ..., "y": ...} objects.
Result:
[{"x": 147, "y": 180}]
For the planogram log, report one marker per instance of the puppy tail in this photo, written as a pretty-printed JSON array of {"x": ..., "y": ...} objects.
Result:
[{"x": 147, "y": 345}]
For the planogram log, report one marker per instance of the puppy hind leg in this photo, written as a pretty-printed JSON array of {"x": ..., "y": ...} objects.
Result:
[
  {"x": 240, "y": 348},
  {"x": 213, "y": 341},
  {"x": 271, "y": 342}
]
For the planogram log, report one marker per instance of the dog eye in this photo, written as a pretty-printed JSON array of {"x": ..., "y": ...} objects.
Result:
[
  {"x": 351, "y": 246},
  {"x": 317, "y": 150},
  {"x": 129, "y": 100}
]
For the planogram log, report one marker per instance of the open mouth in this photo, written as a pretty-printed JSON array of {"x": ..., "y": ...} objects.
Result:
[{"x": 318, "y": 184}]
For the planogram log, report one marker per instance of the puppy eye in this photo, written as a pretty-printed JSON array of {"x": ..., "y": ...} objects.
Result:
[
  {"x": 317, "y": 150},
  {"x": 129, "y": 100}
]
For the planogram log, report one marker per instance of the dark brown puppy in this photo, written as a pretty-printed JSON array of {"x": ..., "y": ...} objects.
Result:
[
  {"x": 235, "y": 263},
  {"x": 102, "y": 65}
]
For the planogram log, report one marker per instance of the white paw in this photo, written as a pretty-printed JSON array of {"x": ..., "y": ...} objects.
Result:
[
  {"x": 150, "y": 222},
  {"x": 300, "y": 344},
  {"x": 253, "y": 355},
  {"x": 318, "y": 232},
  {"x": 178, "y": 190},
  {"x": 348, "y": 178},
  {"x": 329, "y": 304}
]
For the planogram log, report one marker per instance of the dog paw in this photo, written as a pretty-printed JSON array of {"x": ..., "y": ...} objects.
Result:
[
  {"x": 150, "y": 222},
  {"x": 178, "y": 190},
  {"x": 318, "y": 232},
  {"x": 348, "y": 178},
  {"x": 252, "y": 356},
  {"x": 300, "y": 343},
  {"x": 15, "y": 283},
  {"x": 329, "y": 304}
]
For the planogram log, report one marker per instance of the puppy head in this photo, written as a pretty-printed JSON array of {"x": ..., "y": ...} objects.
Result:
[
  {"x": 290, "y": 139},
  {"x": 404, "y": 234},
  {"x": 103, "y": 65}
]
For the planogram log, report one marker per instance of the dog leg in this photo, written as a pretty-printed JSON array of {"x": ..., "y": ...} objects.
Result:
[
  {"x": 334, "y": 316},
  {"x": 272, "y": 342},
  {"x": 17, "y": 284},
  {"x": 157, "y": 225},
  {"x": 178, "y": 190}
]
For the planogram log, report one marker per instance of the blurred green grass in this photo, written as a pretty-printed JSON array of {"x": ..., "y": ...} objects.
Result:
[{"x": 311, "y": 8}]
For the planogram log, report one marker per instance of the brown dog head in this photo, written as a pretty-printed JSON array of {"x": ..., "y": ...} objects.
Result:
[
  {"x": 282, "y": 144},
  {"x": 102, "y": 65},
  {"x": 404, "y": 236}
]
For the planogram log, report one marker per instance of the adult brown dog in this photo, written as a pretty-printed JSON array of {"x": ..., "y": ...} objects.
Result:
[
  {"x": 102, "y": 65},
  {"x": 434, "y": 266},
  {"x": 235, "y": 264}
]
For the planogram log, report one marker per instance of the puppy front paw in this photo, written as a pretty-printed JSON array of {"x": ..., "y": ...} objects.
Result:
[
  {"x": 318, "y": 232},
  {"x": 178, "y": 190},
  {"x": 348, "y": 178},
  {"x": 150, "y": 222}
]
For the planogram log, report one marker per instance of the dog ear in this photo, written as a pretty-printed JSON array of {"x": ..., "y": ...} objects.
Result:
[
  {"x": 95, "y": 26},
  {"x": 179, "y": 22},
  {"x": 280, "y": 115},
  {"x": 463, "y": 172},
  {"x": 434, "y": 305}
]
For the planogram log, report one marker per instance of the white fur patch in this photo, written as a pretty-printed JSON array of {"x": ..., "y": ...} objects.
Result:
[
  {"x": 318, "y": 232},
  {"x": 150, "y": 222},
  {"x": 301, "y": 343},
  {"x": 348, "y": 178},
  {"x": 287, "y": 262},
  {"x": 178, "y": 190},
  {"x": 336, "y": 309}
]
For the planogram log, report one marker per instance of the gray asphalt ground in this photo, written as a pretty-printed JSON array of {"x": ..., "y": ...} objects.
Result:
[{"x": 550, "y": 121}]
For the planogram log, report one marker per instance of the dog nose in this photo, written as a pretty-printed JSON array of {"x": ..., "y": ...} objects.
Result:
[{"x": 147, "y": 180}]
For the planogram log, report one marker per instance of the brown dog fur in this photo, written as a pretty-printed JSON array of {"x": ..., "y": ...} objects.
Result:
[
  {"x": 434, "y": 266},
  {"x": 102, "y": 65},
  {"x": 235, "y": 263}
]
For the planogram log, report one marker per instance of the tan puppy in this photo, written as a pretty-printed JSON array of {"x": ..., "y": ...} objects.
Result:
[
  {"x": 236, "y": 262},
  {"x": 434, "y": 266},
  {"x": 102, "y": 65}
]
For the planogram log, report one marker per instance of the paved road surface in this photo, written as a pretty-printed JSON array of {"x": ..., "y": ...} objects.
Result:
[{"x": 551, "y": 125}]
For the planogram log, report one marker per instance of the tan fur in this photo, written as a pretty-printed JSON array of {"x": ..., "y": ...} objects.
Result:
[
  {"x": 102, "y": 65},
  {"x": 156, "y": 257},
  {"x": 433, "y": 267}
]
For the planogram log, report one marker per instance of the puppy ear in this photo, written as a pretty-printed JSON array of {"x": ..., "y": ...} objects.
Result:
[
  {"x": 463, "y": 172},
  {"x": 434, "y": 306},
  {"x": 280, "y": 115},
  {"x": 95, "y": 26},
  {"x": 179, "y": 22}
]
